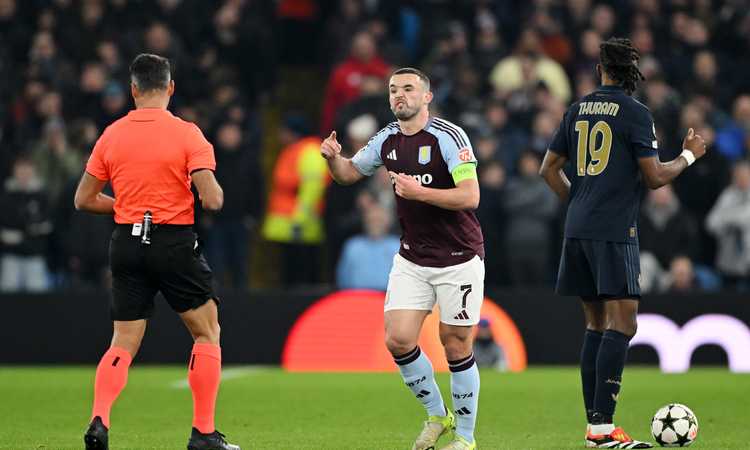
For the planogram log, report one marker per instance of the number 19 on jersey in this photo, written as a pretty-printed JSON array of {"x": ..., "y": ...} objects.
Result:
[{"x": 587, "y": 146}]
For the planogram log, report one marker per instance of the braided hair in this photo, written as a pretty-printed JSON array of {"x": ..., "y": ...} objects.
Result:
[{"x": 619, "y": 59}]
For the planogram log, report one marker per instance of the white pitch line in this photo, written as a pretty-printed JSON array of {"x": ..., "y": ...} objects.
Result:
[{"x": 226, "y": 374}]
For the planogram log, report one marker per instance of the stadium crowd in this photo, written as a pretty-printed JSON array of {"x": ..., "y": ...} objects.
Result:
[{"x": 504, "y": 71}]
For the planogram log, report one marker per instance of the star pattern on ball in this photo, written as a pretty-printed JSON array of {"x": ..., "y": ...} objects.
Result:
[
  {"x": 669, "y": 421},
  {"x": 682, "y": 439},
  {"x": 674, "y": 425}
]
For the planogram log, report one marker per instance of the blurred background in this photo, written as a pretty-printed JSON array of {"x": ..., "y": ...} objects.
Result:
[{"x": 265, "y": 80}]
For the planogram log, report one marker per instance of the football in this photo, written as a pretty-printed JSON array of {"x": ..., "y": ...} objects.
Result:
[{"x": 674, "y": 425}]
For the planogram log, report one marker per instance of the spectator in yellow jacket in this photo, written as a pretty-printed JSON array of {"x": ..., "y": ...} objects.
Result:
[{"x": 295, "y": 207}]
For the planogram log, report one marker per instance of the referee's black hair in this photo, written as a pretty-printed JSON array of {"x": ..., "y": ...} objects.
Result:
[
  {"x": 619, "y": 59},
  {"x": 150, "y": 72},
  {"x": 422, "y": 76}
]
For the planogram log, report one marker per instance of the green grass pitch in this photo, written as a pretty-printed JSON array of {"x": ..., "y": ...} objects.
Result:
[{"x": 263, "y": 408}]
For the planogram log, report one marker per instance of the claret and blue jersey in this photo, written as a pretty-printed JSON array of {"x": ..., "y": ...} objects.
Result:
[
  {"x": 432, "y": 236},
  {"x": 603, "y": 136}
]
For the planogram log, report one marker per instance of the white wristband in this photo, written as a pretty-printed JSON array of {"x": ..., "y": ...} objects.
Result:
[{"x": 688, "y": 155}]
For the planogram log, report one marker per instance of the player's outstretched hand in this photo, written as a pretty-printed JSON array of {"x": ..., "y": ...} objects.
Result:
[
  {"x": 330, "y": 148},
  {"x": 405, "y": 186},
  {"x": 694, "y": 143}
]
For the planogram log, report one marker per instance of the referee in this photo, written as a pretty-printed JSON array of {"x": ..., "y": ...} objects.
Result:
[{"x": 150, "y": 158}]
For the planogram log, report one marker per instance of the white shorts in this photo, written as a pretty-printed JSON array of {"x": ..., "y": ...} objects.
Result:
[{"x": 458, "y": 290}]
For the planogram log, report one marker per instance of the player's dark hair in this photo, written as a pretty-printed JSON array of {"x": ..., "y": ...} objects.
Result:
[
  {"x": 619, "y": 59},
  {"x": 150, "y": 72},
  {"x": 422, "y": 76}
]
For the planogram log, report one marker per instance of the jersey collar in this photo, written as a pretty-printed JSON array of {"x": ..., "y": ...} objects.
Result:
[
  {"x": 611, "y": 88},
  {"x": 425, "y": 128},
  {"x": 148, "y": 112}
]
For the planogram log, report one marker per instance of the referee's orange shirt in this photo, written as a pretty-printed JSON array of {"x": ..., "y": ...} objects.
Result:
[{"x": 148, "y": 156}]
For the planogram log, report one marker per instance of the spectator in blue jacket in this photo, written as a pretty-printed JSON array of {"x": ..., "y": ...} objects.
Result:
[{"x": 367, "y": 258}]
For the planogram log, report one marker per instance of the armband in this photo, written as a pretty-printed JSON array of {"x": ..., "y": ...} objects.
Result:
[{"x": 466, "y": 171}]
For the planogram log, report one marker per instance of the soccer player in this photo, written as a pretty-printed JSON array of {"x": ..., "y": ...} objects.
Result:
[
  {"x": 150, "y": 157},
  {"x": 433, "y": 169},
  {"x": 611, "y": 142}
]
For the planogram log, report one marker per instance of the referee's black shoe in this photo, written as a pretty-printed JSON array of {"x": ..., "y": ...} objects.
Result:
[
  {"x": 96, "y": 436},
  {"x": 210, "y": 441}
]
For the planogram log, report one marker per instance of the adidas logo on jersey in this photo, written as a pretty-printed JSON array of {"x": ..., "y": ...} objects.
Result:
[
  {"x": 392, "y": 155},
  {"x": 462, "y": 315}
]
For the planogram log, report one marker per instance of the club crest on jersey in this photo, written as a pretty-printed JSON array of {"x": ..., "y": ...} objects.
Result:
[
  {"x": 465, "y": 154},
  {"x": 425, "y": 153}
]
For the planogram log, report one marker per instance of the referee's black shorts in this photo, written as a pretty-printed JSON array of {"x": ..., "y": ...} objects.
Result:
[
  {"x": 172, "y": 264},
  {"x": 600, "y": 270}
]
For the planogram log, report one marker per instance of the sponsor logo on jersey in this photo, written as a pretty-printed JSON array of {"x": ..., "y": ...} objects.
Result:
[
  {"x": 425, "y": 153},
  {"x": 465, "y": 154},
  {"x": 392, "y": 155},
  {"x": 423, "y": 179}
]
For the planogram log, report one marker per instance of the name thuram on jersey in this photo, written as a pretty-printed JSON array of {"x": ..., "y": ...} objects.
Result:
[{"x": 593, "y": 108}]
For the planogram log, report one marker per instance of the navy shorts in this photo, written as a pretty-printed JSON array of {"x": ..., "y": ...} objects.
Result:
[
  {"x": 599, "y": 269},
  {"x": 173, "y": 264}
]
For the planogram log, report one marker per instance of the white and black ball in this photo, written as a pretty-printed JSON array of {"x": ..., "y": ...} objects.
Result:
[{"x": 674, "y": 425}]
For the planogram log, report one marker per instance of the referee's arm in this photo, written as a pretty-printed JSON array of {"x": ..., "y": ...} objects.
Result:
[
  {"x": 209, "y": 191},
  {"x": 89, "y": 196}
]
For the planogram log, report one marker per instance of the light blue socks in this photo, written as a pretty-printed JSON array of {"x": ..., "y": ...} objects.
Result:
[
  {"x": 418, "y": 376},
  {"x": 465, "y": 390}
]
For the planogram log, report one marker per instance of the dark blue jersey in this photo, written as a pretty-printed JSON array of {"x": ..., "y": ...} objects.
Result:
[{"x": 603, "y": 135}]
